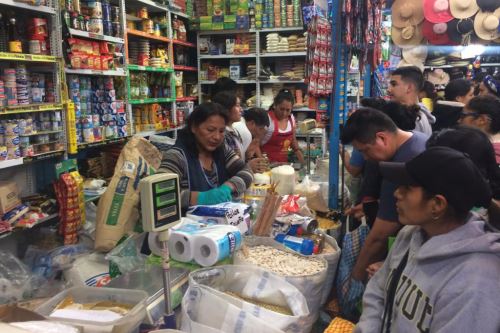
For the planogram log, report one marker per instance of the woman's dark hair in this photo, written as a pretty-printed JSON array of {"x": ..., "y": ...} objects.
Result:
[
  {"x": 199, "y": 115},
  {"x": 456, "y": 88},
  {"x": 403, "y": 116},
  {"x": 429, "y": 90},
  {"x": 490, "y": 106},
  {"x": 283, "y": 95},
  {"x": 257, "y": 115},
  {"x": 227, "y": 99},
  {"x": 477, "y": 145},
  {"x": 224, "y": 84}
]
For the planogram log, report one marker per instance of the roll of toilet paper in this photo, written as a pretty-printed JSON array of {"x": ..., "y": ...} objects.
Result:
[
  {"x": 216, "y": 243},
  {"x": 180, "y": 241},
  {"x": 154, "y": 243}
]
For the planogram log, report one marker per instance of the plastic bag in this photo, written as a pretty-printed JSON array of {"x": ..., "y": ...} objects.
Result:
[
  {"x": 127, "y": 255},
  {"x": 206, "y": 304},
  {"x": 312, "y": 191},
  {"x": 333, "y": 260},
  {"x": 311, "y": 286},
  {"x": 16, "y": 280}
]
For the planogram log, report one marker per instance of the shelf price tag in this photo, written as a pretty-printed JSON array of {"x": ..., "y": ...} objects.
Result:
[
  {"x": 36, "y": 57},
  {"x": 96, "y": 36},
  {"x": 12, "y": 56}
]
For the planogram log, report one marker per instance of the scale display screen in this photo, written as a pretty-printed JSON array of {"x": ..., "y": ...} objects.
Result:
[{"x": 165, "y": 205}]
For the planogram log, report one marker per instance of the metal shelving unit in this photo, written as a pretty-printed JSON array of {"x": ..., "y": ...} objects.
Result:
[
  {"x": 90, "y": 35},
  {"x": 25, "y": 167}
]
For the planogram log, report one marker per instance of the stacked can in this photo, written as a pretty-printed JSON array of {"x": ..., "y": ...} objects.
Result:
[
  {"x": 296, "y": 13},
  {"x": 38, "y": 34},
  {"x": 3, "y": 97},
  {"x": 143, "y": 56},
  {"x": 283, "y": 13},
  {"x": 277, "y": 10},
  {"x": 96, "y": 22},
  {"x": 26, "y": 127},
  {"x": 10, "y": 86},
  {"x": 11, "y": 138},
  {"x": 22, "y": 84},
  {"x": 289, "y": 15},
  {"x": 37, "y": 87},
  {"x": 115, "y": 21}
]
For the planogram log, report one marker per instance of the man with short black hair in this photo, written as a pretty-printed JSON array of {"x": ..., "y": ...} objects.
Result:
[
  {"x": 224, "y": 84},
  {"x": 252, "y": 128},
  {"x": 378, "y": 138},
  {"x": 404, "y": 87}
]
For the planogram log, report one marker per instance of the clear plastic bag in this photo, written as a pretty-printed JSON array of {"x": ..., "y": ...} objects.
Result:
[
  {"x": 127, "y": 255},
  {"x": 207, "y": 306},
  {"x": 16, "y": 280}
]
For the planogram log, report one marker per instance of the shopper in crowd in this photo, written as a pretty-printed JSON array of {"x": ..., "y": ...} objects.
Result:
[
  {"x": 483, "y": 112},
  {"x": 378, "y": 138},
  {"x": 280, "y": 136},
  {"x": 252, "y": 129},
  {"x": 489, "y": 86},
  {"x": 428, "y": 95},
  {"x": 231, "y": 103},
  {"x": 476, "y": 144},
  {"x": 224, "y": 84},
  {"x": 209, "y": 171},
  {"x": 441, "y": 274},
  {"x": 404, "y": 87},
  {"x": 478, "y": 78},
  {"x": 456, "y": 94}
]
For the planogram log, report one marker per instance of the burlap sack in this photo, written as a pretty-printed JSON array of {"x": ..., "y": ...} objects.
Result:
[{"x": 118, "y": 209}]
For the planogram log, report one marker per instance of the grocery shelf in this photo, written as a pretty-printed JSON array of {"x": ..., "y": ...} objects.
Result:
[
  {"x": 42, "y": 107},
  {"x": 27, "y": 57},
  {"x": 101, "y": 143},
  {"x": 10, "y": 163},
  {"x": 299, "y": 28},
  {"x": 185, "y": 68},
  {"x": 151, "y": 100},
  {"x": 40, "y": 133},
  {"x": 281, "y": 81},
  {"x": 283, "y": 54},
  {"x": 149, "y": 133},
  {"x": 149, "y": 69},
  {"x": 186, "y": 99},
  {"x": 151, "y": 5},
  {"x": 86, "y": 34},
  {"x": 40, "y": 221},
  {"x": 112, "y": 72},
  {"x": 227, "y": 56},
  {"x": 183, "y": 43},
  {"x": 226, "y": 32},
  {"x": 237, "y": 81},
  {"x": 175, "y": 12},
  {"x": 22, "y": 5},
  {"x": 43, "y": 156},
  {"x": 138, "y": 33}
]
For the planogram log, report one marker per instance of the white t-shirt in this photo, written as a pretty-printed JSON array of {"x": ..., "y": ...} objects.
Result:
[
  {"x": 270, "y": 129},
  {"x": 246, "y": 136}
]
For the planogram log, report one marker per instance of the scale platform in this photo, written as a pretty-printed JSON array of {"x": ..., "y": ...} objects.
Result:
[{"x": 150, "y": 280}]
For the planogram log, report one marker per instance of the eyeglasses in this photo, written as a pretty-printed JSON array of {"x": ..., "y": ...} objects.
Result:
[{"x": 468, "y": 114}]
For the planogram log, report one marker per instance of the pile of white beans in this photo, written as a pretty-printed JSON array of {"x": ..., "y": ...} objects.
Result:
[{"x": 280, "y": 262}]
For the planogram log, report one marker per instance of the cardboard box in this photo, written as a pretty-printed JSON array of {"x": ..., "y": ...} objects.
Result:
[
  {"x": 229, "y": 18},
  {"x": 9, "y": 196},
  {"x": 229, "y": 26}
]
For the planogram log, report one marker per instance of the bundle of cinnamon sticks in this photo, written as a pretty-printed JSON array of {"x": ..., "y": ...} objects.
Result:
[{"x": 268, "y": 212}]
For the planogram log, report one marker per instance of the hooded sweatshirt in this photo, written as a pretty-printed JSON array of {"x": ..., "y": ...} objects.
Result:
[
  {"x": 451, "y": 283},
  {"x": 424, "y": 122}
]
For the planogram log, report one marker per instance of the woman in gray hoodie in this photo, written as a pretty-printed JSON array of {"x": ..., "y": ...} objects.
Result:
[{"x": 442, "y": 274}]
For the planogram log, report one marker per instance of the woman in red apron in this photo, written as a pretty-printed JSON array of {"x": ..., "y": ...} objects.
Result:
[{"x": 280, "y": 135}]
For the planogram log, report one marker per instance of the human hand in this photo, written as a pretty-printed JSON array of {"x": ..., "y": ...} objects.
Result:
[
  {"x": 258, "y": 165},
  {"x": 215, "y": 195},
  {"x": 374, "y": 268},
  {"x": 356, "y": 211}
]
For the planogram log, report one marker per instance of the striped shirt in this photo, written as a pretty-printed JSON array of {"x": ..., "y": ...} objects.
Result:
[{"x": 239, "y": 173}]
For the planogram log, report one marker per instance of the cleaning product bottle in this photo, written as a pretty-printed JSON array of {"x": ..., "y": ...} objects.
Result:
[{"x": 301, "y": 245}]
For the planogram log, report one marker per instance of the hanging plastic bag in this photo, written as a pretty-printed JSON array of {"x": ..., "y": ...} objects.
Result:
[
  {"x": 244, "y": 299},
  {"x": 313, "y": 193}
]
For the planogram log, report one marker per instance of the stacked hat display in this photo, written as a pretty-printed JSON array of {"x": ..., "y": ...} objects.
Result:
[{"x": 445, "y": 22}]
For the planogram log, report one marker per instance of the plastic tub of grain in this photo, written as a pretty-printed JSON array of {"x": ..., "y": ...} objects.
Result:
[{"x": 84, "y": 295}]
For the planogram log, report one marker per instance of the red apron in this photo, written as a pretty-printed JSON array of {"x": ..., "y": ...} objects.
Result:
[{"x": 277, "y": 146}]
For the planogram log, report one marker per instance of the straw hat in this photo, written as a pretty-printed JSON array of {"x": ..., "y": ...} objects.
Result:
[
  {"x": 436, "y": 33},
  {"x": 415, "y": 55},
  {"x": 486, "y": 24},
  {"x": 488, "y": 5},
  {"x": 462, "y": 9},
  {"x": 437, "y": 11},
  {"x": 438, "y": 77},
  {"x": 407, "y": 37},
  {"x": 406, "y": 13},
  {"x": 404, "y": 63}
]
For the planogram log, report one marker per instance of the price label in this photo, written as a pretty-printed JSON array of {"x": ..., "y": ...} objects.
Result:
[
  {"x": 96, "y": 36},
  {"x": 36, "y": 57},
  {"x": 142, "y": 68}
]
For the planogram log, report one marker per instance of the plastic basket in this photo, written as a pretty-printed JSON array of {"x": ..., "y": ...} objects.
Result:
[{"x": 128, "y": 323}]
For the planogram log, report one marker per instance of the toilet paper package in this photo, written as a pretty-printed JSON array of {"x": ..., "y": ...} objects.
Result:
[
  {"x": 180, "y": 241},
  {"x": 229, "y": 213},
  {"x": 216, "y": 243}
]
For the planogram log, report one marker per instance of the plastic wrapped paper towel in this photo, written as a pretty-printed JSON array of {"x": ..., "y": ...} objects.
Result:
[{"x": 284, "y": 176}]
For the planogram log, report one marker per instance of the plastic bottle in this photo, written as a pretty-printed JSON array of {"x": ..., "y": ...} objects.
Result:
[{"x": 301, "y": 245}]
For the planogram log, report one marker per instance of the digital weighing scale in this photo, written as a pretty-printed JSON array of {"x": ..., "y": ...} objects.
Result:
[{"x": 161, "y": 210}]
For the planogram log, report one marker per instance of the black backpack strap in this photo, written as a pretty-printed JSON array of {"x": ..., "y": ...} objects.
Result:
[{"x": 391, "y": 294}]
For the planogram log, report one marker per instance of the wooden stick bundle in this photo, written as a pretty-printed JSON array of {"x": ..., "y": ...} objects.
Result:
[{"x": 268, "y": 212}]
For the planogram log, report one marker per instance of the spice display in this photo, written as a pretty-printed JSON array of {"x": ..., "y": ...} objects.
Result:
[{"x": 281, "y": 262}]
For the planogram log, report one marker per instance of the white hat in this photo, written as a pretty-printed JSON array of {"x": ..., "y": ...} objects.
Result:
[
  {"x": 438, "y": 77},
  {"x": 486, "y": 25},
  {"x": 404, "y": 63},
  {"x": 415, "y": 55},
  {"x": 407, "y": 37},
  {"x": 462, "y": 9}
]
